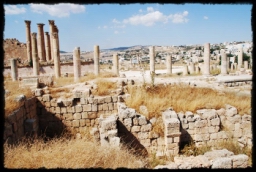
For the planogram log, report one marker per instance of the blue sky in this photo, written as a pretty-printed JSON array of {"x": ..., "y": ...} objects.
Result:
[{"x": 115, "y": 25}]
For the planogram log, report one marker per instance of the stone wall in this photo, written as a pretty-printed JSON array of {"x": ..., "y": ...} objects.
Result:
[
  {"x": 111, "y": 121},
  {"x": 21, "y": 122},
  {"x": 14, "y": 49}
]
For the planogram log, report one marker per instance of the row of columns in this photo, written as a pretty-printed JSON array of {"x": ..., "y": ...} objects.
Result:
[{"x": 43, "y": 47}]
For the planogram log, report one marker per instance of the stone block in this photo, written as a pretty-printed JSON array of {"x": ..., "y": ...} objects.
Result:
[
  {"x": 172, "y": 123},
  {"x": 215, "y": 122},
  {"x": 68, "y": 116},
  {"x": 203, "y": 130},
  {"x": 39, "y": 92},
  {"x": 200, "y": 124},
  {"x": 29, "y": 82},
  {"x": 110, "y": 106},
  {"x": 71, "y": 109},
  {"x": 105, "y": 106},
  {"x": 94, "y": 107},
  {"x": 239, "y": 161},
  {"x": 68, "y": 102},
  {"x": 92, "y": 115},
  {"x": 145, "y": 142},
  {"x": 63, "y": 110},
  {"x": 143, "y": 135},
  {"x": 87, "y": 108},
  {"x": 114, "y": 99},
  {"x": 114, "y": 141},
  {"x": 86, "y": 93},
  {"x": 54, "y": 102},
  {"x": 108, "y": 99},
  {"x": 213, "y": 129},
  {"x": 47, "y": 97},
  {"x": 100, "y": 107},
  {"x": 135, "y": 129},
  {"x": 172, "y": 146},
  {"x": 92, "y": 122},
  {"x": 83, "y": 101},
  {"x": 213, "y": 136},
  {"x": 235, "y": 119},
  {"x": 230, "y": 111},
  {"x": 146, "y": 128},
  {"x": 78, "y": 108},
  {"x": 128, "y": 122},
  {"x": 222, "y": 163},
  {"x": 75, "y": 123},
  {"x": 153, "y": 135},
  {"x": 191, "y": 125},
  {"x": 135, "y": 121},
  {"x": 142, "y": 120},
  {"x": 77, "y": 116},
  {"x": 176, "y": 139}
]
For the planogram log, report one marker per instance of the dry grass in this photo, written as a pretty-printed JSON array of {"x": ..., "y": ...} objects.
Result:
[
  {"x": 184, "y": 98},
  {"x": 14, "y": 91},
  {"x": 60, "y": 92},
  {"x": 104, "y": 87},
  {"x": 68, "y": 153}
]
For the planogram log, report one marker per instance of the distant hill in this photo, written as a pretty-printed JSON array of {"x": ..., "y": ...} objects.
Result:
[
  {"x": 63, "y": 51},
  {"x": 126, "y": 48}
]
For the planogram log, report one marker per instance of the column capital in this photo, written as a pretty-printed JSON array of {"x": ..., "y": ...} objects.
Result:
[
  {"x": 46, "y": 33},
  {"x": 40, "y": 24},
  {"x": 27, "y": 22},
  {"x": 33, "y": 35},
  {"x": 55, "y": 28},
  {"x": 51, "y": 22}
]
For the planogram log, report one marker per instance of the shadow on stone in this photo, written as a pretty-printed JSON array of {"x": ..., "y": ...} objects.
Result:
[{"x": 129, "y": 140}]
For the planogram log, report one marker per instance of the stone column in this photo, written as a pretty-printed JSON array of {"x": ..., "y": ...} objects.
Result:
[
  {"x": 115, "y": 64},
  {"x": 152, "y": 58},
  {"x": 96, "y": 60},
  {"x": 28, "y": 38},
  {"x": 232, "y": 67},
  {"x": 14, "y": 69},
  {"x": 34, "y": 54},
  {"x": 47, "y": 47},
  {"x": 206, "y": 70},
  {"x": 240, "y": 57},
  {"x": 169, "y": 64},
  {"x": 228, "y": 63},
  {"x": 197, "y": 69},
  {"x": 245, "y": 65},
  {"x": 235, "y": 66},
  {"x": 76, "y": 64},
  {"x": 191, "y": 68},
  {"x": 40, "y": 41},
  {"x": 56, "y": 55},
  {"x": 51, "y": 23},
  {"x": 55, "y": 29},
  {"x": 224, "y": 70},
  {"x": 185, "y": 70}
]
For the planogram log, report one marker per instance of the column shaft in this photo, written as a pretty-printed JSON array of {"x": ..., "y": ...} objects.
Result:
[
  {"x": 96, "y": 60},
  {"x": 169, "y": 64},
  {"x": 14, "y": 69},
  {"x": 76, "y": 64},
  {"x": 240, "y": 57},
  {"x": 224, "y": 70},
  {"x": 40, "y": 42},
  {"x": 152, "y": 58},
  {"x": 115, "y": 64},
  {"x": 56, "y": 55},
  {"x": 51, "y": 24},
  {"x": 47, "y": 47},
  {"x": 35, "y": 54},
  {"x": 28, "y": 39}
]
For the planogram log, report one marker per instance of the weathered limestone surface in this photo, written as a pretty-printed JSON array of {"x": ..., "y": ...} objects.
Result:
[
  {"x": 28, "y": 39},
  {"x": 240, "y": 57},
  {"x": 169, "y": 64},
  {"x": 56, "y": 55},
  {"x": 14, "y": 69},
  {"x": 35, "y": 55},
  {"x": 47, "y": 47},
  {"x": 40, "y": 42},
  {"x": 223, "y": 62},
  {"x": 96, "y": 60},
  {"x": 76, "y": 64},
  {"x": 115, "y": 64},
  {"x": 51, "y": 24},
  {"x": 152, "y": 59}
]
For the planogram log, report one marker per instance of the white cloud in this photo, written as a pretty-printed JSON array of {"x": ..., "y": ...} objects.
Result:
[
  {"x": 13, "y": 9},
  {"x": 150, "y": 9},
  {"x": 16, "y": 21},
  {"x": 105, "y": 27},
  {"x": 179, "y": 17},
  {"x": 58, "y": 10},
  {"x": 98, "y": 27},
  {"x": 205, "y": 17},
  {"x": 116, "y": 32},
  {"x": 140, "y": 11},
  {"x": 115, "y": 21},
  {"x": 153, "y": 17}
]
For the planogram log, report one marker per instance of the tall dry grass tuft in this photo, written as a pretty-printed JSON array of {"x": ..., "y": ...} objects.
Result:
[
  {"x": 68, "y": 153},
  {"x": 12, "y": 91},
  {"x": 104, "y": 87},
  {"x": 182, "y": 97}
]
